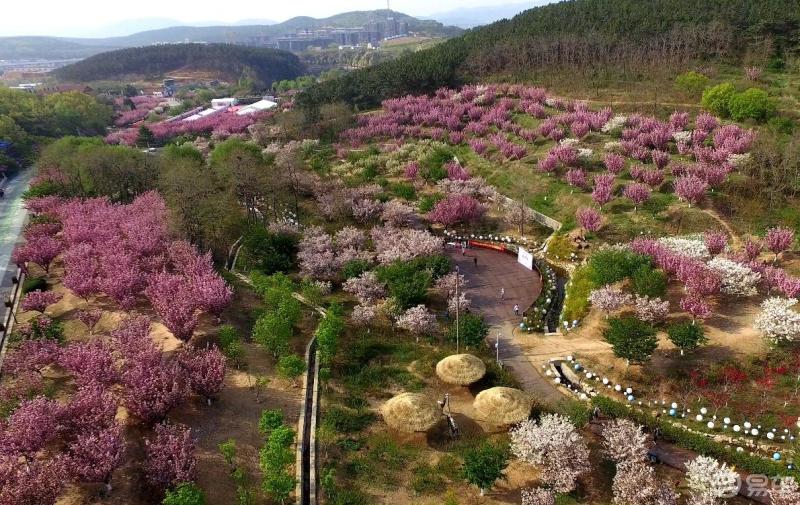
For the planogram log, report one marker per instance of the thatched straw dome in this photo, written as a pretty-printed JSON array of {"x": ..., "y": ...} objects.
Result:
[
  {"x": 502, "y": 406},
  {"x": 411, "y": 412},
  {"x": 461, "y": 369}
]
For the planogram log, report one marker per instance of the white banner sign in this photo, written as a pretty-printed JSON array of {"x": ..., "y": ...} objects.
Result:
[{"x": 525, "y": 258}]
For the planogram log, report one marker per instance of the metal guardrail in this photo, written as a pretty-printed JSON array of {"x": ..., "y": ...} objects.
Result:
[{"x": 11, "y": 304}]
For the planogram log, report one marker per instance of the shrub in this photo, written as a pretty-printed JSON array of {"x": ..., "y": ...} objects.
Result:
[
  {"x": 230, "y": 343},
  {"x": 691, "y": 82},
  {"x": 438, "y": 264},
  {"x": 269, "y": 420},
  {"x": 753, "y": 103},
  {"x": 354, "y": 268},
  {"x": 428, "y": 202},
  {"x": 291, "y": 366},
  {"x": 270, "y": 252},
  {"x": 717, "y": 99},
  {"x": 404, "y": 191},
  {"x": 344, "y": 420},
  {"x": 186, "y": 493},
  {"x": 407, "y": 284},
  {"x": 687, "y": 336},
  {"x": 34, "y": 284},
  {"x": 780, "y": 124},
  {"x": 484, "y": 464},
  {"x": 648, "y": 281},
  {"x": 632, "y": 339},
  {"x": 472, "y": 329},
  {"x": 613, "y": 265},
  {"x": 576, "y": 299}
]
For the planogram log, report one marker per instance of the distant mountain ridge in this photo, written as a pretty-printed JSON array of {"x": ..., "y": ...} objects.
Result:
[{"x": 71, "y": 47}]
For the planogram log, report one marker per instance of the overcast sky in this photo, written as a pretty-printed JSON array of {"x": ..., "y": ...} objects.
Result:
[{"x": 85, "y": 17}]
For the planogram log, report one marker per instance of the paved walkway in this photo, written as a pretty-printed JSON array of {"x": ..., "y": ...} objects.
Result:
[
  {"x": 496, "y": 270},
  {"x": 12, "y": 217}
]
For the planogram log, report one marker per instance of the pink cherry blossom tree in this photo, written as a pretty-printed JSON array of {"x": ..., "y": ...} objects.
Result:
[
  {"x": 366, "y": 288},
  {"x": 589, "y": 219},
  {"x": 637, "y": 193},
  {"x": 39, "y": 300},
  {"x": 696, "y": 306},
  {"x": 94, "y": 455},
  {"x": 778, "y": 240},
  {"x": 90, "y": 363},
  {"x": 456, "y": 209},
  {"x": 715, "y": 241},
  {"x": 609, "y": 299},
  {"x": 152, "y": 387},
  {"x": 602, "y": 194},
  {"x": 652, "y": 310},
  {"x": 690, "y": 188},
  {"x": 170, "y": 458},
  {"x": 204, "y": 370},
  {"x": 614, "y": 163}
]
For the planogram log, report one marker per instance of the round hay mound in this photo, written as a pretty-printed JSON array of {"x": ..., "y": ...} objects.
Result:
[
  {"x": 461, "y": 369},
  {"x": 411, "y": 412},
  {"x": 502, "y": 406}
]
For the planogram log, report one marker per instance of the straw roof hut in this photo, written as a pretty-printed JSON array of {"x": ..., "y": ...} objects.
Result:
[
  {"x": 502, "y": 406},
  {"x": 461, "y": 369},
  {"x": 411, "y": 412}
]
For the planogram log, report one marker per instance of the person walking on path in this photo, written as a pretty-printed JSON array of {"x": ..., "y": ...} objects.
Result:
[
  {"x": 516, "y": 309},
  {"x": 502, "y": 293},
  {"x": 475, "y": 260}
]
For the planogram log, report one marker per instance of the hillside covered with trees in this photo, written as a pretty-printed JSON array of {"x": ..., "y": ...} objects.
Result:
[
  {"x": 231, "y": 61},
  {"x": 588, "y": 37}
]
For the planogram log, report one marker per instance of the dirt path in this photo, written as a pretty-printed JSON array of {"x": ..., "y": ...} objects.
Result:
[{"x": 736, "y": 242}]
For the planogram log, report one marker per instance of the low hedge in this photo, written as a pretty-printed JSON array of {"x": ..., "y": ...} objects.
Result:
[{"x": 693, "y": 441}]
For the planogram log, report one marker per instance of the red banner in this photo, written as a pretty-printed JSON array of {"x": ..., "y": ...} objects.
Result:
[{"x": 487, "y": 245}]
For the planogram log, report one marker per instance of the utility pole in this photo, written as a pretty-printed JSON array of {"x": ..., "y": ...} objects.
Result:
[{"x": 497, "y": 347}]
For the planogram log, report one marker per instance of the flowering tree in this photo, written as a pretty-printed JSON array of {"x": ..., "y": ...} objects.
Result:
[
  {"x": 418, "y": 321},
  {"x": 456, "y": 209},
  {"x": 90, "y": 409},
  {"x": 737, "y": 279},
  {"x": 94, "y": 455},
  {"x": 787, "y": 493},
  {"x": 602, "y": 194},
  {"x": 175, "y": 302},
  {"x": 589, "y": 219},
  {"x": 90, "y": 363},
  {"x": 30, "y": 427},
  {"x": 316, "y": 254},
  {"x": 716, "y": 241},
  {"x": 152, "y": 387},
  {"x": 752, "y": 249},
  {"x": 460, "y": 304},
  {"x": 204, "y": 371},
  {"x": 690, "y": 188},
  {"x": 39, "y": 300},
  {"x": 447, "y": 283},
  {"x": 624, "y": 442},
  {"x": 170, "y": 456},
  {"x": 614, "y": 163},
  {"x": 33, "y": 482},
  {"x": 696, "y": 306},
  {"x": 90, "y": 318},
  {"x": 554, "y": 445},
  {"x": 609, "y": 299},
  {"x": 366, "y": 287},
  {"x": 538, "y": 496},
  {"x": 777, "y": 321},
  {"x": 778, "y": 240},
  {"x": 41, "y": 250},
  {"x": 651, "y": 310},
  {"x": 710, "y": 481},
  {"x": 576, "y": 177},
  {"x": 637, "y": 193},
  {"x": 397, "y": 213},
  {"x": 392, "y": 244},
  {"x": 636, "y": 484},
  {"x": 364, "y": 315}
]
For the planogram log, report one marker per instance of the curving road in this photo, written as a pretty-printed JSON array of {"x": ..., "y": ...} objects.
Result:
[
  {"x": 496, "y": 270},
  {"x": 12, "y": 219}
]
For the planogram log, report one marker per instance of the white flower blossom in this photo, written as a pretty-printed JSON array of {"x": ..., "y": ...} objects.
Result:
[
  {"x": 614, "y": 123},
  {"x": 710, "y": 481},
  {"x": 737, "y": 279},
  {"x": 682, "y": 136},
  {"x": 777, "y": 321},
  {"x": 693, "y": 246}
]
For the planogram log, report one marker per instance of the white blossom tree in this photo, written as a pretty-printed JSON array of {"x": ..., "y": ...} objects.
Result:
[
  {"x": 787, "y": 493},
  {"x": 538, "y": 496},
  {"x": 652, "y": 310},
  {"x": 624, "y": 442},
  {"x": 737, "y": 279},
  {"x": 777, "y": 321},
  {"x": 447, "y": 283},
  {"x": 417, "y": 321},
  {"x": 556, "y": 447},
  {"x": 608, "y": 299},
  {"x": 710, "y": 481},
  {"x": 366, "y": 287}
]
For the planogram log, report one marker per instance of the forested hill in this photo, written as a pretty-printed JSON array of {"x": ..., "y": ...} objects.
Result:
[
  {"x": 580, "y": 35},
  {"x": 229, "y": 61}
]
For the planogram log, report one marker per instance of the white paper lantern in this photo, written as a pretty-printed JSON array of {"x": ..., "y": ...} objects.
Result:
[
  {"x": 747, "y": 425},
  {"x": 605, "y": 380},
  {"x": 704, "y": 411},
  {"x": 727, "y": 420},
  {"x": 674, "y": 405},
  {"x": 754, "y": 432},
  {"x": 736, "y": 428},
  {"x": 699, "y": 418},
  {"x": 770, "y": 435},
  {"x": 628, "y": 390},
  {"x": 710, "y": 425}
]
